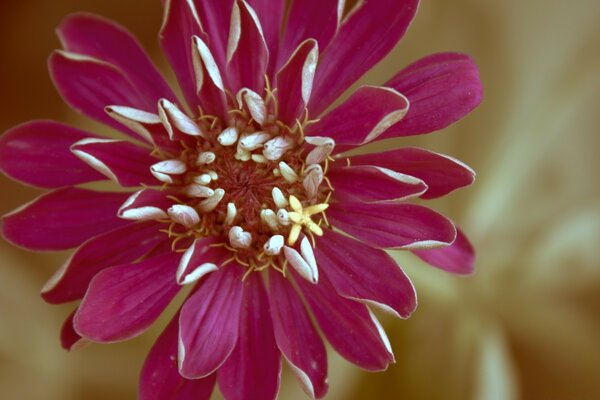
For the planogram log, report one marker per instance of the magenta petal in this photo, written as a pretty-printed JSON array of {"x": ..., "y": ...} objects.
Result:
[
  {"x": 247, "y": 52},
  {"x": 100, "y": 38},
  {"x": 363, "y": 117},
  {"x": 348, "y": 326},
  {"x": 296, "y": 336},
  {"x": 89, "y": 85},
  {"x": 270, "y": 14},
  {"x": 373, "y": 184},
  {"x": 120, "y": 160},
  {"x": 216, "y": 17},
  {"x": 295, "y": 80},
  {"x": 442, "y": 174},
  {"x": 200, "y": 259},
  {"x": 123, "y": 301},
  {"x": 365, "y": 274},
  {"x": 253, "y": 370},
  {"x": 209, "y": 81},
  {"x": 63, "y": 219},
  {"x": 209, "y": 323},
  {"x": 123, "y": 245},
  {"x": 316, "y": 19},
  {"x": 180, "y": 24},
  {"x": 160, "y": 378},
  {"x": 69, "y": 339},
  {"x": 393, "y": 226},
  {"x": 458, "y": 258},
  {"x": 367, "y": 35},
  {"x": 442, "y": 88},
  {"x": 146, "y": 204},
  {"x": 37, "y": 153}
]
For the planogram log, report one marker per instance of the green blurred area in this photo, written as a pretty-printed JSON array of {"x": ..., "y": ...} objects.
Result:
[{"x": 525, "y": 326}]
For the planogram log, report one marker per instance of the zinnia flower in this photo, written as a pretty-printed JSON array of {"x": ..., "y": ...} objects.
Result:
[{"x": 240, "y": 188}]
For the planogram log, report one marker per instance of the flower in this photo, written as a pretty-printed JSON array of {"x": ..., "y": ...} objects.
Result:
[{"x": 239, "y": 188}]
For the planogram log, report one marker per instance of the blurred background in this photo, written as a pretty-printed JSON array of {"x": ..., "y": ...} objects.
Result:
[{"x": 526, "y": 325}]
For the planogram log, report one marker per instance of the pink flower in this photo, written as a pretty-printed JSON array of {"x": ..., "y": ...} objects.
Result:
[{"x": 239, "y": 188}]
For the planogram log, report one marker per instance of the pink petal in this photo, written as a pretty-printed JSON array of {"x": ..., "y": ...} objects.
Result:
[
  {"x": 216, "y": 17},
  {"x": 247, "y": 52},
  {"x": 69, "y": 339},
  {"x": 316, "y": 19},
  {"x": 393, "y": 226},
  {"x": 210, "y": 323},
  {"x": 63, "y": 219},
  {"x": 37, "y": 153},
  {"x": 373, "y": 184},
  {"x": 120, "y": 246},
  {"x": 119, "y": 160},
  {"x": 360, "y": 272},
  {"x": 295, "y": 80},
  {"x": 441, "y": 173},
  {"x": 270, "y": 14},
  {"x": 296, "y": 336},
  {"x": 347, "y": 325},
  {"x": 363, "y": 117},
  {"x": 442, "y": 88},
  {"x": 88, "y": 85},
  {"x": 160, "y": 378},
  {"x": 180, "y": 24},
  {"x": 200, "y": 259},
  {"x": 146, "y": 204},
  {"x": 123, "y": 301},
  {"x": 458, "y": 258},
  {"x": 100, "y": 38},
  {"x": 240, "y": 377},
  {"x": 209, "y": 81},
  {"x": 367, "y": 35}
]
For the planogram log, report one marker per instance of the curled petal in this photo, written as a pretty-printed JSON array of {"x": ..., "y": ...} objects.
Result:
[
  {"x": 199, "y": 260},
  {"x": 122, "y": 161},
  {"x": 209, "y": 83},
  {"x": 442, "y": 174},
  {"x": 145, "y": 204},
  {"x": 363, "y": 117}
]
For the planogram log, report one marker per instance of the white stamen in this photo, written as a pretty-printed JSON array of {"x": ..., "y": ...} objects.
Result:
[
  {"x": 212, "y": 202},
  {"x": 269, "y": 218},
  {"x": 161, "y": 170},
  {"x": 213, "y": 175},
  {"x": 275, "y": 148},
  {"x": 254, "y": 103},
  {"x": 283, "y": 217},
  {"x": 228, "y": 137},
  {"x": 203, "y": 179},
  {"x": 239, "y": 239},
  {"x": 171, "y": 116},
  {"x": 205, "y": 157},
  {"x": 305, "y": 269},
  {"x": 231, "y": 213},
  {"x": 324, "y": 147},
  {"x": 279, "y": 198},
  {"x": 199, "y": 191},
  {"x": 184, "y": 215},
  {"x": 287, "y": 172},
  {"x": 274, "y": 245},
  {"x": 312, "y": 180},
  {"x": 252, "y": 141},
  {"x": 257, "y": 158}
]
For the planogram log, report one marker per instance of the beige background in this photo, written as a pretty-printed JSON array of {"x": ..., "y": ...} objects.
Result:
[{"x": 526, "y": 326}]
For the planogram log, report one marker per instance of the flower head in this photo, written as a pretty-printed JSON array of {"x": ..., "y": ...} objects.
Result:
[{"x": 239, "y": 188}]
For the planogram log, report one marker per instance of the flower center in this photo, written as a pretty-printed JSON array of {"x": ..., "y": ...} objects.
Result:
[{"x": 251, "y": 180}]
